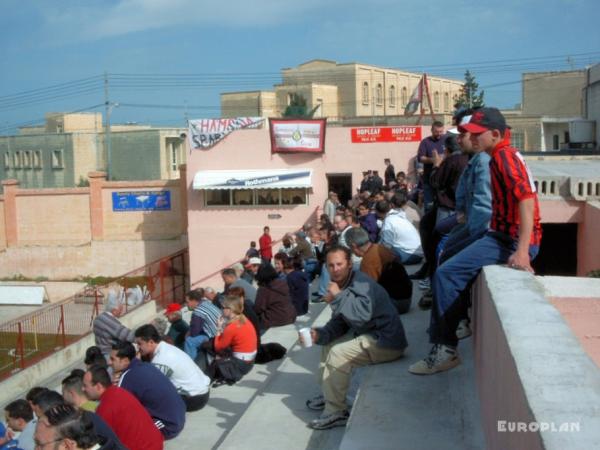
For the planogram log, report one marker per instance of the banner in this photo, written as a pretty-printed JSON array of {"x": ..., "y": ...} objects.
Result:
[
  {"x": 141, "y": 201},
  {"x": 204, "y": 133},
  {"x": 297, "y": 135},
  {"x": 415, "y": 99},
  {"x": 386, "y": 134}
]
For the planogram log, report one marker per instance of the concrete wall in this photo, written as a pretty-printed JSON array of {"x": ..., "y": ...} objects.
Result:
[
  {"x": 248, "y": 104},
  {"x": 588, "y": 241},
  {"x": 135, "y": 155},
  {"x": 224, "y": 233},
  {"x": 593, "y": 99},
  {"x": 17, "y": 385},
  {"x": 557, "y": 94},
  {"x": 530, "y": 367}
]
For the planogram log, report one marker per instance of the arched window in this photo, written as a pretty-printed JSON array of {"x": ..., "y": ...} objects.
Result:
[
  {"x": 446, "y": 102},
  {"x": 379, "y": 94},
  {"x": 436, "y": 101},
  {"x": 392, "y": 96},
  {"x": 365, "y": 93},
  {"x": 404, "y": 97}
]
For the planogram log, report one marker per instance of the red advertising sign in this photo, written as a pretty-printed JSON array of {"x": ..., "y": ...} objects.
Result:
[{"x": 386, "y": 134}]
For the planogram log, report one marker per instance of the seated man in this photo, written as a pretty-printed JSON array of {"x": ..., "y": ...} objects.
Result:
[
  {"x": 179, "y": 327},
  {"x": 107, "y": 327},
  {"x": 361, "y": 310},
  {"x": 231, "y": 279},
  {"x": 19, "y": 418},
  {"x": 66, "y": 427},
  {"x": 397, "y": 233},
  {"x": 383, "y": 266},
  {"x": 203, "y": 325},
  {"x": 191, "y": 383},
  {"x": 153, "y": 389}
]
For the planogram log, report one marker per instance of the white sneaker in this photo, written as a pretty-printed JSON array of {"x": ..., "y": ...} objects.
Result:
[
  {"x": 440, "y": 358},
  {"x": 463, "y": 330},
  {"x": 425, "y": 283}
]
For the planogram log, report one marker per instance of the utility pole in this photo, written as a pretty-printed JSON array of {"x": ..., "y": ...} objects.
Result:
[{"x": 107, "y": 142}]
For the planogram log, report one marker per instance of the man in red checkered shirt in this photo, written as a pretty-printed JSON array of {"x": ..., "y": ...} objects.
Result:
[{"x": 513, "y": 238}]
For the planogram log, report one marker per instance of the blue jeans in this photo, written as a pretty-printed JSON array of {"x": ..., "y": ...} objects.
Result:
[
  {"x": 427, "y": 196},
  {"x": 192, "y": 343},
  {"x": 456, "y": 274},
  {"x": 324, "y": 280}
]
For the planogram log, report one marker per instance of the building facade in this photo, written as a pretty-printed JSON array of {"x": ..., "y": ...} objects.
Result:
[{"x": 340, "y": 91}]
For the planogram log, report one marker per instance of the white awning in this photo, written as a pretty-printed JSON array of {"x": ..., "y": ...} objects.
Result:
[{"x": 253, "y": 179}]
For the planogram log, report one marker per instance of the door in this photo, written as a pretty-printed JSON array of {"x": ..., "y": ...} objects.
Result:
[{"x": 341, "y": 184}]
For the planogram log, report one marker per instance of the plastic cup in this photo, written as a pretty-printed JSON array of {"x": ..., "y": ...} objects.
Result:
[{"x": 306, "y": 340}]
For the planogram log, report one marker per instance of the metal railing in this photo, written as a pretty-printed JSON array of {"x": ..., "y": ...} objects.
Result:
[{"x": 32, "y": 337}]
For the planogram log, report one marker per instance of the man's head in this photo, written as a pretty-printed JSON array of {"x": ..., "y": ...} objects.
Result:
[
  {"x": 339, "y": 263},
  {"x": 114, "y": 304},
  {"x": 399, "y": 199},
  {"x": 437, "y": 130},
  {"x": 33, "y": 392},
  {"x": 266, "y": 230},
  {"x": 387, "y": 161},
  {"x": 340, "y": 223},
  {"x": 65, "y": 427},
  {"x": 147, "y": 339},
  {"x": 93, "y": 355},
  {"x": 18, "y": 414},
  {"x": 358, "y": 240},
  {"x": 72, "y": 388},
  {"x": 487, "y": 127},
  {"x": 363, "y": 209},
  {"x": 382, "y": 207},
  {"x": 95, "y": 382},
  {"x": 44, "y": 401},
  {"x": 121, "y": 355},
  {"x": 254, "y": 264},
  {"x": 210, "y": 293},
  {"x": 229, "y": 276},
  {"x": 252, "y": 244},
  {"x": 193, "y": 298},
  {"x": 279, "y": 261},
  {"x": 173, "y": 312}
]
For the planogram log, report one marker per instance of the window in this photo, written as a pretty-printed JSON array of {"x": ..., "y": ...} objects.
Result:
[
  {"x": 365, "y": 93},
  {"x": 392, "y": 96},
  {"x": 267, "y": 197},
  {"x": 7, "y": 160},
  {"x": 17, "y": 160},
  {"x": 404, "y": 97},
  {"x": 37, "y": 159},
  {"x": 436, "y": 101},
  {"x": 243, "y": 197},
  {"x": 446, "y": 102},
  {"x": 256, "y": 197},
  {"x": 174, "y": 158},
  {"x": 517, "y": 140},
  {"x": 26, "y": 159},
  {"x": 379, "y": 94},
  {"x": 57, "y": 159}
]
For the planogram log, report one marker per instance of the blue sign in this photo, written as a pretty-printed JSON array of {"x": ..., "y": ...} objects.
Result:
[{"x": 142, "y": 201}]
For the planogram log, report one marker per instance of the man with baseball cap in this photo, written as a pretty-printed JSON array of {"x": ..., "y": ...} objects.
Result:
[
  {"x": 179, "y": 327},
  {"x": 514, "y": 237}
]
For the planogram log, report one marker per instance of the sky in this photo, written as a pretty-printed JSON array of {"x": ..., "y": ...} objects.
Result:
[{"x": 178, "y": 55}]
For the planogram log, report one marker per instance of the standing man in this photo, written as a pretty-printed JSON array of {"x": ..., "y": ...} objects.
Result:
[
  {"x": 364, "y": 329},
  {"x": 330, "y": 206},
  {"x": 429, "y": 146},
  {"x": 266, "y": 248},
  {"x": 389, "y": 175},
  {"x": 514, "y": 237}
]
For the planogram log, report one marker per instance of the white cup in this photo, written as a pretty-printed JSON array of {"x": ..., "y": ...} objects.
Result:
[{"x": 306, "y": 338}]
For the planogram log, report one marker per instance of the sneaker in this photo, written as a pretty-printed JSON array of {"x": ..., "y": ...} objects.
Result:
[
  {"x": 440, "y": 358},
  {"x": 336, "y": 419},
  {"x": 426, "y": 300},
  {"x": 316, "y": 403},
  {"x": 317, "y": 300},
  {"x": 463, "y": 330},
  {"x": 425, "y": 284}
]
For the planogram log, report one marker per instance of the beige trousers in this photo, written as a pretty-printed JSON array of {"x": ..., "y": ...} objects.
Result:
[{"x": 340, "y": 357}]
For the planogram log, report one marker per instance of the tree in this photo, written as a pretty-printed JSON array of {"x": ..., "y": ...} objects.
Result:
[
  {"x": 297, "y": 107},
  {"x": 470, "y": 96}
]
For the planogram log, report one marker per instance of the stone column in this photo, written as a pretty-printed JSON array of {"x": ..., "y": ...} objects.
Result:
[
  {"x": 97, "y": 180},
  {"x": 10, "y": 187}
]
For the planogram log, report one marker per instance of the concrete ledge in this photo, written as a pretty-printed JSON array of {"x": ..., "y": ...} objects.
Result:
[
  {"x": 17, "y": 385},
  {"x": 531, "y": 370}
]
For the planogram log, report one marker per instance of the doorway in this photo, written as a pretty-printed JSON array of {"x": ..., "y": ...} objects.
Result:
[
  {"x": 341, "y": 184},
  {"x": 558, "y": 252}
]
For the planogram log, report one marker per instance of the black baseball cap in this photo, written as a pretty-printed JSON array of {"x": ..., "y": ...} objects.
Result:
[{"x": 484, "y": 119}]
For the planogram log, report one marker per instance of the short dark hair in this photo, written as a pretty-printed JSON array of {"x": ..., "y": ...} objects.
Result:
[
  {"x": 339, "y": 248},
  {"x": 228, "y": 272},
  {"x": 266, "y": 274},
  {"x": 71, "y": 423},
  {"x": 93, "y": 355},
  {"x": 74, "y": 381},
  {"x": 19, "y": 409},
  {"x": 437, "y": 124},
  {"x": 34, "y": 391},
  {"x": 100, "y": 375},
  {"x": 266, "y": 228},
  {"x": 386, "y": 160},
  {"x": 399, "y": 199},
  {"x": 147, "y": 333},
  {"x": 451, "y": 143},
  {"x": 47, "y": 400},
  {"x": 252, "y": 244},
  {"x": 382, "y": 206},
  {"x": 124, "y": 349},
  {"x": 195, "y": 294}
]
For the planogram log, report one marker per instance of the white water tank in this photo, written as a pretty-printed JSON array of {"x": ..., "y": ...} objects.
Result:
[{"x": 582, "y": 131}]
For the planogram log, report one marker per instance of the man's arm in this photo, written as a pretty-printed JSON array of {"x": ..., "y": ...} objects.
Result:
[{"x": 520, "y": 258}]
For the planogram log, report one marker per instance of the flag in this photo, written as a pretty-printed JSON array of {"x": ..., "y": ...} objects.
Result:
[{"x": 415, "y": 99}]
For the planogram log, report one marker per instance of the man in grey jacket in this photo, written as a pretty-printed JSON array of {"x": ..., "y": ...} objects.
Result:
[{"x": 364, "y": 329}]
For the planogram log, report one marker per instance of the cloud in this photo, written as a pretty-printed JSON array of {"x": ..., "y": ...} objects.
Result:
[{"x": 98, "y": 20}]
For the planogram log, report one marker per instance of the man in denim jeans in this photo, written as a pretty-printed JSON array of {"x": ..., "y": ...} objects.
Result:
[
  {"x": 203, "y": 325},
  {"x": 513, "y": 239}
]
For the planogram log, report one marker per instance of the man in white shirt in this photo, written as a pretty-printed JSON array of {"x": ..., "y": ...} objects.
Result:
[
  {"x": 397, "y": 233},
  {"x": 191, "y": 383}
]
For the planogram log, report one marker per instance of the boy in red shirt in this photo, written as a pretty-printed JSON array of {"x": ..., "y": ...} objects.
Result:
[{"x": 265, "y": 244}]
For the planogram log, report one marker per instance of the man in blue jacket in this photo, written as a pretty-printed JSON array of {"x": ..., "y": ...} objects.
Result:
[
  {"x": 151, "y": 387},
  {"x": 363, "y": 314}
]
